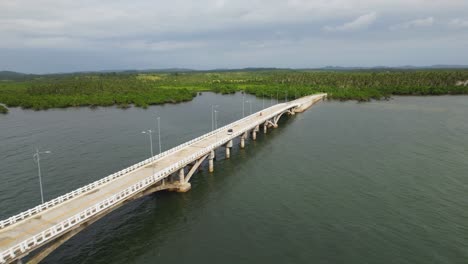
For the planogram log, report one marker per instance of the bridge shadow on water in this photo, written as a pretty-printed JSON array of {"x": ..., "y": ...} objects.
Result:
[{"x": 144, "y": 225}]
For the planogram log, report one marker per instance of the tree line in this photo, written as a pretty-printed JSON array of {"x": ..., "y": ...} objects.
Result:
[{"x": 142, "y": 90}]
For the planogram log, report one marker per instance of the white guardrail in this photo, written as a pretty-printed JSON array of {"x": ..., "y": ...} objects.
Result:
[
  {"x": 39, "y": 208},
  {"x": 83, "y": 216}
]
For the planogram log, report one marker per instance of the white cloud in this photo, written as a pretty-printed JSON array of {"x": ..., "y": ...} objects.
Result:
[
  {"x": 110, "y": 19},
  {"x": 417, "y": 23},
  {"x": 458, "y": 23},
  {"x": 361, "y": 22},
  {"x": 150, "y": 31}
]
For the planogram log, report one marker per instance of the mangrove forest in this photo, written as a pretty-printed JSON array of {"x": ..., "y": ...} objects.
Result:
[{"x": 140, "y": 89}]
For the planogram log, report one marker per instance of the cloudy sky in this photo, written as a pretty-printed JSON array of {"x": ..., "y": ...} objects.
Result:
[{"x": 40, "y": 36}]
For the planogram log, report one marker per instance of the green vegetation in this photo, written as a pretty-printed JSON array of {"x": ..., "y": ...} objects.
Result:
[
  {"x": 143, "y": 89},
  {"x": 89, "y": 90},
  {"x": 3, "y": 109}
]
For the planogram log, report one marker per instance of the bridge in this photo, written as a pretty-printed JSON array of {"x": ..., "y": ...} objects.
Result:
[{"x": 40, "y": 230}]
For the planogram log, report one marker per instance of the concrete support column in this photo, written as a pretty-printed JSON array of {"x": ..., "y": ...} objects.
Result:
[
  {"x": 182, "y": 175},
  {"x": 211, "y": 165},
  {"x": 254, "y": 135},
  {"x": 275, "y": 122},
  {"x": 228, "y": 149},
  {"x": 242, "y": 142},
  {"x": 183, "y": 186},
  {"x": 265, "y": 129},
  {"x": 211, "y": 162}
]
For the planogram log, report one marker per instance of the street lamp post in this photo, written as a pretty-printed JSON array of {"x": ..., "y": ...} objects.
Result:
[
  {"x": 243, "y": 107},
  {"x": 37, "y": 159},
  {"x": 216, "y": 123},
  {"x": 149, "y": 132},
  {"x": 250, "y": 102},
  {"x": 159, "y": 133},
  {"x": 212, "y": 116}
]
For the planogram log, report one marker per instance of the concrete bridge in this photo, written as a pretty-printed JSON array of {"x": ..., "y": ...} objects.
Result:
[{"x": 40, "y": 230}]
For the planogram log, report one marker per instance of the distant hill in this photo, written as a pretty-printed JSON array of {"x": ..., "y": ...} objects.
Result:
[
  {"x": 253, "y": 69},
  {"x": 11, "y": 76},
  {"x": 405, "y": 67},
  {"x": 448, "y": 67},
  {"x": 17, "y": 76},
  {"x": 149, "y": 70}
]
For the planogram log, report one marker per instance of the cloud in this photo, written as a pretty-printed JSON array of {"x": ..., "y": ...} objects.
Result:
[
  {"x": 458, "y": 23},
  {"x": 222, "y": 33},
  {"x": 417, "y": 23},
  {"x": 162, "y": 46},
  {"x": 361, "y": 22}
]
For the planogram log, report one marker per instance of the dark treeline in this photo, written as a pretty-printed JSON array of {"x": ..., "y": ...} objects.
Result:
[
  {"x": 95, "y": 90},
  {"x": 125, "y": 89},
  {"x": 361, "y": 86}
]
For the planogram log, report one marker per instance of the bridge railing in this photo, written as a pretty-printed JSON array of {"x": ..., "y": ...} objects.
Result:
[
  {"x": 41, "y": 207},
  {"x": 90, "y": 212},
  {"x": 83, "y": 216}
]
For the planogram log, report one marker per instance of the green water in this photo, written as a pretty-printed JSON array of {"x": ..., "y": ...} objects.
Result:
[{"x": 381, "y": 182}]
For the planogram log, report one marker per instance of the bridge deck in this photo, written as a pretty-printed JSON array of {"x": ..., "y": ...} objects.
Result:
[{"x": 27, "y": 228}]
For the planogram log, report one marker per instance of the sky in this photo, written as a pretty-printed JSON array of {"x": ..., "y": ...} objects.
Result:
[{"x": 45, "y": 36}]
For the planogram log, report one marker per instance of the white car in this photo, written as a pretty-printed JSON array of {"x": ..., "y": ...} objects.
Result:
[{"x": 230, "y": 131}]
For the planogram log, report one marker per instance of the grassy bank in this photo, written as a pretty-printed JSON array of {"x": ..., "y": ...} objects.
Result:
[
  {"x": 3, "y": 109},
  {"x": 141, "y": 90}
]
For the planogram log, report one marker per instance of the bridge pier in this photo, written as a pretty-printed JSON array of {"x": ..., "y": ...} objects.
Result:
[
  {"x": 243, "y": 137},
  {"x": 265, "y": 129},
  {"x": 228, "y": 153},
  {"x": 182, "y": 175},
  {"x": 228, "y": 149},
  {"x": 182, "y": 185},
  {"x": 254, "y": 132},
  {"x": 210, "y": 161},
  {"x": 269, "y": 123}
]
